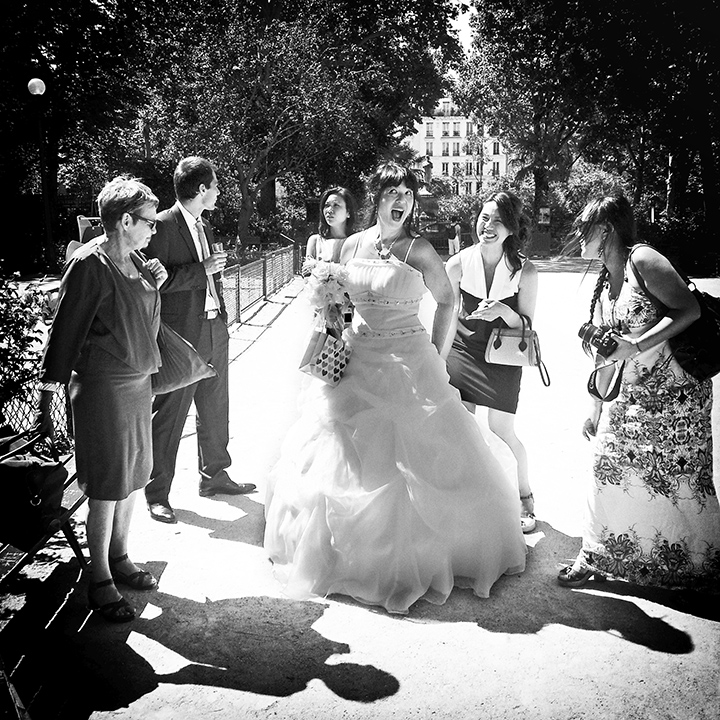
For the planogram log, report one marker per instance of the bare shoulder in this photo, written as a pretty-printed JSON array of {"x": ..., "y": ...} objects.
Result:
[
  {"x": 529, "y": 270},
  {"x": 348, "y": 246},
  {"x": 422, "y": 251},
  {"x": 650, "y": 261}
]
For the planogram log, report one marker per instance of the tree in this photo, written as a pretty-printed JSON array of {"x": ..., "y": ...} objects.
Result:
[
  {"x": 628, "y": 85},
  {"x": 87, "y": 54},
  {"x": 311, "y": 92}
]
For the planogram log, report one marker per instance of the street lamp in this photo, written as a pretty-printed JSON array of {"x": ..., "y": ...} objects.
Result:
[{"x": 36, "y": 88}]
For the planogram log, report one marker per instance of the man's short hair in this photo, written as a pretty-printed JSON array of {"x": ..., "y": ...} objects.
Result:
[{"x": 190, "y": 174}]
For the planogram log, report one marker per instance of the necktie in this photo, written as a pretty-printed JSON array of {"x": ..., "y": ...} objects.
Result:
[{"x": 206, "y": 254}]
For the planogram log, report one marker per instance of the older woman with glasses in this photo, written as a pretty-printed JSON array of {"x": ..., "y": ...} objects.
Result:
[{"x": 103, "y": 345}]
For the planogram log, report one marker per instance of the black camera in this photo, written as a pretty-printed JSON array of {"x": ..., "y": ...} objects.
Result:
[{"x": 599, "y": 337}]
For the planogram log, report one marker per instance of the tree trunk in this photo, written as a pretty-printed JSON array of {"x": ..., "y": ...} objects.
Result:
[
  {"x": 50, "y": 193},
  {"x": 640, "y": 169},
  {"x": 677, "y": 181},
  {"x": 542, "y": 191},
  {"x": 267, "y": 200}
]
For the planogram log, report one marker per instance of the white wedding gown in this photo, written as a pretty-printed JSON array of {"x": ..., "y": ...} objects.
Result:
[{"x": 385, "y": 489}]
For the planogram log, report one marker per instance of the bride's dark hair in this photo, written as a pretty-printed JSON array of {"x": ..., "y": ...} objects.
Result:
[{"x": 392, "y": 174}]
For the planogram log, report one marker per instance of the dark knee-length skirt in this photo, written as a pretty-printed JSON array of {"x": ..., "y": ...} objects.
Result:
[
  {"x": 479, "y": 382},
  {"x": 112, "y": 413}
]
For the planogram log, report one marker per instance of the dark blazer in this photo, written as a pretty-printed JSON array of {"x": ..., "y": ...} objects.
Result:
[{"x": 183, "y": 293}]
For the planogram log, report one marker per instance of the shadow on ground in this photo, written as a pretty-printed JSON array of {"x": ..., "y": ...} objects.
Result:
[
  {"x": 259, "y": 644},
  {"x": 529, "y": 602},
  {"x": 268, "y": 646}
]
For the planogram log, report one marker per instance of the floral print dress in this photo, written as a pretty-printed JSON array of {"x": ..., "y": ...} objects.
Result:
[{"x": 653, "y": 515}]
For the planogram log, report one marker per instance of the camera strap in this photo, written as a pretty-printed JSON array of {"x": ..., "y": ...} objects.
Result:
[{"x": 604, "y": 381}]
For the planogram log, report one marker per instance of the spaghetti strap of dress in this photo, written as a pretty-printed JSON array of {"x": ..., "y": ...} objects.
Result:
[{"x": 407, "y": 253}]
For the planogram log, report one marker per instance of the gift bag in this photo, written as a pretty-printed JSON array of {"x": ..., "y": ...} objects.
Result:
[
  {"x": 32, "y": 485},
  {"x": 326, "y": 355},
  {"x": 181, "y": 364}
]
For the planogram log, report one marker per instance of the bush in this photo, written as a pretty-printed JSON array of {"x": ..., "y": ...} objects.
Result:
[{"x": 21, "y": 311}]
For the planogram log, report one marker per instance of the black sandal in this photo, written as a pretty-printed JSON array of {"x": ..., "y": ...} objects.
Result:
[
  {"x": 139, "y": 580},
  {"x": 571, "y": 577},
  {"x": 117, "y": 611}
]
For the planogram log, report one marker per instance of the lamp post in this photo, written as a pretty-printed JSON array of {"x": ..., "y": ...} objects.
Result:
[{"x": 36, "y": 88}]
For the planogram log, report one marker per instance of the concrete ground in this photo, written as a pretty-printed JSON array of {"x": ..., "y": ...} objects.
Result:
[{"x": 219, "y": 640}]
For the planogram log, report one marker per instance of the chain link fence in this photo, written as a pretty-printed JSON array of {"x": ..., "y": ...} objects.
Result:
[{"x": 243, "y": 287}]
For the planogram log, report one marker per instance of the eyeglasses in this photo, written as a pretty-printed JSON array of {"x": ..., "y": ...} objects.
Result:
[{"x": 151, "y": 223}]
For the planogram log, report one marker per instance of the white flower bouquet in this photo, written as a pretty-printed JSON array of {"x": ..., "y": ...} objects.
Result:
[{"x": 326, "y": 290}]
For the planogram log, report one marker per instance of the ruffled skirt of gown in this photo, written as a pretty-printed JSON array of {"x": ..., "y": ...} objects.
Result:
[{"x": 386, "y": 490}]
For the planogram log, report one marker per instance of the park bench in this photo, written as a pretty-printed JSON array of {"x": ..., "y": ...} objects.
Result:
[{"x": 12, "y": 560}]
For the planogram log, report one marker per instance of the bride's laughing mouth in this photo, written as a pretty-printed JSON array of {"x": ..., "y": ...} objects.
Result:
[{"x": 396, "y": 215}]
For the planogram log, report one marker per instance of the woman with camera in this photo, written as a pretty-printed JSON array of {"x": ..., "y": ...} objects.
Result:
[
  {"x": 653, "y": 515},
  {"x": 493, "y": 284}
]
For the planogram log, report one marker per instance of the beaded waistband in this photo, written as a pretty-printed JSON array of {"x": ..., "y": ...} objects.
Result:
[{"x": 399, "y": 332}]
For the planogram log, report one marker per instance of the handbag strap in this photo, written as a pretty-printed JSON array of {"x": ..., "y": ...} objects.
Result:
[
  {"x": 613, "y": 389},
  {"x": 544, "y": 374}
]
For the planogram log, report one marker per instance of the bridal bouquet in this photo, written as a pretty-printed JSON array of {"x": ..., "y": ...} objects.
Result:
[
  {"x": 326, "y": 290},
  {"x": 327, "y": 354}
]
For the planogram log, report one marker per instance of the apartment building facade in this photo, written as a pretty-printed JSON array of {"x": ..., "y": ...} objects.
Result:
[{"x": 456, "y": 147}]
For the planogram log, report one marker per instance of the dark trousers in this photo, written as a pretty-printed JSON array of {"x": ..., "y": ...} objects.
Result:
[{"x": 211, "y": 405}]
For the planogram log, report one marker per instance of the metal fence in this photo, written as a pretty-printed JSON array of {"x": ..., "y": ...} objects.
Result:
[
  {"x": 243, "y": 287},
  {"x": 246, "y": 285}
]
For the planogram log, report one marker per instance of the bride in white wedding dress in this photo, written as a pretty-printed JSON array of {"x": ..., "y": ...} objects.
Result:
[{"x": 386, "y": 490}]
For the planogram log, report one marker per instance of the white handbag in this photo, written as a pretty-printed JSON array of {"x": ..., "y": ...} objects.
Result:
[{"x": 518, "y": 347}]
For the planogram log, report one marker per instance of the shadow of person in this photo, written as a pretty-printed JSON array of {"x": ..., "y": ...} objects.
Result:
[
  {"x": 247, "y": 529},
  {"x": 257, "y": 644},
  {"x": 529, "y": 602}
]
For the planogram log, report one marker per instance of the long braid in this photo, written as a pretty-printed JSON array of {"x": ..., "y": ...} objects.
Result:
[{"x": 599, "y": 285}]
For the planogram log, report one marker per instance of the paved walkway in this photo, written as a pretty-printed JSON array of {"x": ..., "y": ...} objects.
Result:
[{"x": 219, "y": 640}]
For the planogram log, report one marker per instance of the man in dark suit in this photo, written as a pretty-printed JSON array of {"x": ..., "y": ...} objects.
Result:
[{"x": 192, "y": 304}]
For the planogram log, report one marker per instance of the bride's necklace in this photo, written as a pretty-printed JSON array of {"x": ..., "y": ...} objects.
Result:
[{"x": 384, "y": 252}]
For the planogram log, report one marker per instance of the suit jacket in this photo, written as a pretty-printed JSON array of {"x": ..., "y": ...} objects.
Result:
[{"x": 183, "y": 293}]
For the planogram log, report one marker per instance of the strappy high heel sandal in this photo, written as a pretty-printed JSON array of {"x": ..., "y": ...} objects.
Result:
[
  {"x": 139, "y": 580},
  {"x": 116, "y": 611},
  {"x": 578, "y": 574},
  {"x": 527, "y": 518}
]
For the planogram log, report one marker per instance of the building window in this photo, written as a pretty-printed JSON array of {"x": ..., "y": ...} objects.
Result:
[
  {"x": 446, "y": 129},
  {"x": 445, "y": 168},
  {"x": 429, "y": 149},
  {"x": 478, "y": 167},
  {"x": 456, "y": 129},
  {"x": 478, "y": 187},
  {"x": 446, "y": 148},
  {"x": 496, "y": 148},
  {"x": 469, "y": 128},
  {"x": 468, "y": 167},
  {"x": 456, "y": 188},
  {"x": 429, "y": 129},
  {"x": 468, "y": 188},
  {"x": 456, "y": 148},
  {"x": 446, "y": 107},
  {"x": 456, "y": 168},
  {"x": 496, "y": 169}
]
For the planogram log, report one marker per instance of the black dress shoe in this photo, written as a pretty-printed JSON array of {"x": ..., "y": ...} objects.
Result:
[
  {"x": 162, "y": 513},
  {"x": 224, "y": 486}
]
